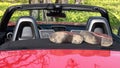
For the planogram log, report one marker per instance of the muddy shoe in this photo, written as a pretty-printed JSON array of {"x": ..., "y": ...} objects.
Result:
[
  {"x": 105, "y": 40},
  {"x": 66, "y": 37},
  {"x": 60, "y": 37},
  {"x": 88, "y": 37},
  {"x": 77, "y": 39}
]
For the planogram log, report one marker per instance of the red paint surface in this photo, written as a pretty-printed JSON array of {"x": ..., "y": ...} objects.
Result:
[{"x": 59, "y": 59}]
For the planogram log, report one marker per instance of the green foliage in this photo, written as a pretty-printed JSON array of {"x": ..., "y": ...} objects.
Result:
[
  {"x": 81, "y": 17},
  {"x": 4, "y": 6},
  {"x": 15, "y": 1},
  {"x": 114, "y": 22},
  {"x": 113, "y": 8},
  {"x": 17, "y": 14},
  {"x": 77, "y": 17}
]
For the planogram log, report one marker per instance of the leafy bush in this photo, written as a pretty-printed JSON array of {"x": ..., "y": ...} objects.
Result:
[{"x": 113, "y": 8}]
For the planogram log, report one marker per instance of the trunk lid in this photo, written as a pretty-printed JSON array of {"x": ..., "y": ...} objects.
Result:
[{"x": 59, "y": 58}]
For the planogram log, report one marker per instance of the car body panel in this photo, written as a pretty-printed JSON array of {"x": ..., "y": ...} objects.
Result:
[{"x": 59, "y": 58}]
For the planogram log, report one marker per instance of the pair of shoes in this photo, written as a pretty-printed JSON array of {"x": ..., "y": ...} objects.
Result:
[
  {"x": 97, "y": 38},
  {"x": 105, "y": 40},
  {"x": 88, "y": 37}
]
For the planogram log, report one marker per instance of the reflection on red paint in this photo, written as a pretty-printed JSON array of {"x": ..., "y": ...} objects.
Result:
[
  {"x": 20, "y": 59},
  {"x": 71, "y": 64},
  {"x": 96, "y": 66},
  {"x": 56, "y": 58},
  {"x": 81, "y": 52}
]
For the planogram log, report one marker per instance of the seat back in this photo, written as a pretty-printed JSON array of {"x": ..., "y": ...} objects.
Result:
[
  {"x": 26, "y": 28},
  {"x": 99, "y": 25},
  {"x": 26, "y": 33}
]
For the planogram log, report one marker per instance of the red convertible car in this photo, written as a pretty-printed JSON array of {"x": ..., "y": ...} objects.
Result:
[{"x": 26, "y": 44}]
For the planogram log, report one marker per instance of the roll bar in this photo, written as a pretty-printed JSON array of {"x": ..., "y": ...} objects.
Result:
[{"x": 8, "y": 13}]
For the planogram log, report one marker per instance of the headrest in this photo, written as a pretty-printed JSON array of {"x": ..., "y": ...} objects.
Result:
[
  {"x": 26, "y": 33},
  {"x": 98, "y": 24},
  {"x": 26, "y": 26}
]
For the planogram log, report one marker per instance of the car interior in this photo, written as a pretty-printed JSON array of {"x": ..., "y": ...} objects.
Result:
[
  {"x": 98, "y": 24},
  {"x": 26, "y": 28},
  {"x": 27, "y": 33}
]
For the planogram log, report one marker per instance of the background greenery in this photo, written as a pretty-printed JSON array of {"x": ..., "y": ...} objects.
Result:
[{"x": 112, "y": 6}]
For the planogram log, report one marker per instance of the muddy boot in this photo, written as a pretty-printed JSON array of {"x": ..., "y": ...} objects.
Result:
[
  {"x": 105, "y": 40},
  {"x": 88, "y": 37},
  {"x": 66, "y": 37},
  {"x": 77, "y": 39},
  {"x": 59, "y": 37}
]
